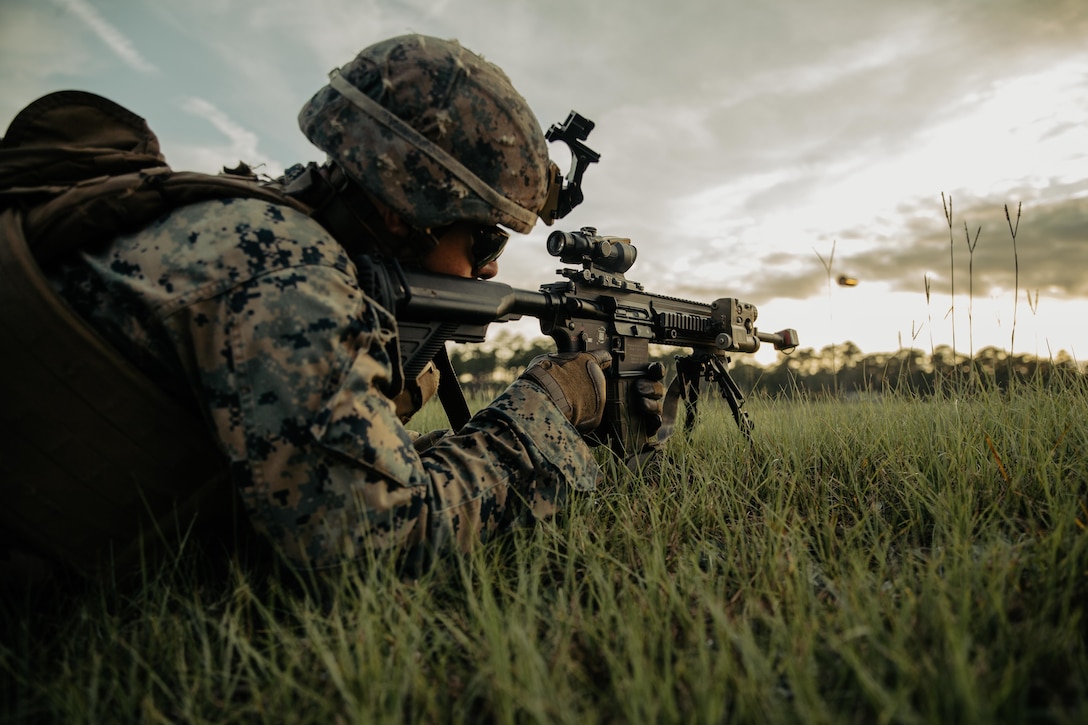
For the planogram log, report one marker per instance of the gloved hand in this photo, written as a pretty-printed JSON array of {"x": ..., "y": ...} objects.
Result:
[
  {"x": 416, "y": 393},
  {"x": 648, "y": 397},
  {"x": 575, "y": 383}
]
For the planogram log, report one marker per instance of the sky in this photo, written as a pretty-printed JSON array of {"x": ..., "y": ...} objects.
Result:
[{"x": 751, "y": 150}]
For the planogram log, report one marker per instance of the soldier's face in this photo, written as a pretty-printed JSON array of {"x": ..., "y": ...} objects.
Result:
[{"x": 453, "y": 255}]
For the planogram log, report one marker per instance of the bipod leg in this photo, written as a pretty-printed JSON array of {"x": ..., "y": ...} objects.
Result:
[{"x": 719, "y": 373}]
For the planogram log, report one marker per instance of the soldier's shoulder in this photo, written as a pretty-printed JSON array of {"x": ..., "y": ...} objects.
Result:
[
  {"x": 251, "y": 236},
  {"x": 234, "y": 215}
]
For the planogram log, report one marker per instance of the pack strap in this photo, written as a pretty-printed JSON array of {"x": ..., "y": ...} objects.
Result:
[{"x": 98, "y": 210}]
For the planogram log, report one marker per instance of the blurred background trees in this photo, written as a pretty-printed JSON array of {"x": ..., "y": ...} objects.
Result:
[{"x": 843, "y": 370}]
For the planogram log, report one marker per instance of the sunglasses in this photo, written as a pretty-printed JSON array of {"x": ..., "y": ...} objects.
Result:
[{"x": 487, "y": 242}]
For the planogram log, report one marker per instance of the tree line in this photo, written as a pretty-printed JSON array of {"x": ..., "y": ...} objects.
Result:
[{"x": 835, "y": 369}]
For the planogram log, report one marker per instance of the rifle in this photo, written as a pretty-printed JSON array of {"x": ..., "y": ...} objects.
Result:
[{"x": 595, "y": 308}]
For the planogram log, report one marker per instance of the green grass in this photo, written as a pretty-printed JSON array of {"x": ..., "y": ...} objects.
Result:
[{"x": 886, "y": 560}]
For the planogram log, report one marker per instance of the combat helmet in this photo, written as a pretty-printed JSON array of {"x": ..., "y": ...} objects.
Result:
[{"x": 435, "y": 132}]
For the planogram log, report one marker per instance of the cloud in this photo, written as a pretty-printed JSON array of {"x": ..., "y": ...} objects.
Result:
[
  {"x": 736, "y": 137},
  {"x": 33, "y": 52},
  {"x": 114, "y": 39},
  {"x": 242, "y": 144},
  {"x": 262, "y": 61},
  {"x": 1051, "y": 249}
]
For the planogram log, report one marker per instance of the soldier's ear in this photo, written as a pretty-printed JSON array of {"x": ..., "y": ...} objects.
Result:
[{"x": 393, "y": 222}]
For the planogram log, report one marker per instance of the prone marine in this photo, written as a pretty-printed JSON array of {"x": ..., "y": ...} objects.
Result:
[{"x": 250, "y": 315}]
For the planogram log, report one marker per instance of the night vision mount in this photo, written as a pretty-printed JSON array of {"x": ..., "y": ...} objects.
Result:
[{"x": 565, "y": 193}]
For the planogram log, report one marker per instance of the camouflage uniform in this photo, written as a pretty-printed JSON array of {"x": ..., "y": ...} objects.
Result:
[{"x": 254, "y": 310}]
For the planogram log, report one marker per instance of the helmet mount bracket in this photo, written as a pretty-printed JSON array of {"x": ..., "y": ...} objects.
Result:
[{"x": 565, "y": 193}]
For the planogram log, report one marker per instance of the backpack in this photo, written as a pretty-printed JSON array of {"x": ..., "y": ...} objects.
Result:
[{"x": 95, "y": 460}]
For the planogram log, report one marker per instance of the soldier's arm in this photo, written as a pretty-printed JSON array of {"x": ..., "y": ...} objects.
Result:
[{"x": 293, "y": 368}]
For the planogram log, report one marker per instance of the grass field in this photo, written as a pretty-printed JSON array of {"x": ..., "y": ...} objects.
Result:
[{"x": 887, "y": 560}]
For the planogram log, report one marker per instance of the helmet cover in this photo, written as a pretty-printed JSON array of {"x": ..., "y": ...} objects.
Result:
[{"x": 435, "y": 132}]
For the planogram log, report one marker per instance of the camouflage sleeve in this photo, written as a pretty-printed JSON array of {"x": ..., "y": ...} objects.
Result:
[{"x": 293, "y": 367}]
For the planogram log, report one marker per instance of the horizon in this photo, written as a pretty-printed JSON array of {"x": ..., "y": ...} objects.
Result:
[{"x": 740, "y": 144}]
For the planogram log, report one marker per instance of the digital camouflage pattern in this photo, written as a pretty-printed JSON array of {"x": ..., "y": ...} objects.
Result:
[
  {"x": 256, "y": 311},
  {"x": 426, "y": 102}
]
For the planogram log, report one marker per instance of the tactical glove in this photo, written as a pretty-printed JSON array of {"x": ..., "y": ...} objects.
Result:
[
  {"x": 649, "y": 394},
  {"x": 575, "y": 383},
  {"x": 416, "y": 393}
]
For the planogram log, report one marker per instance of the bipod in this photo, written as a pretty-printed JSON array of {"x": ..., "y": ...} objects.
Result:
[{"x": 692, "y": 369}]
